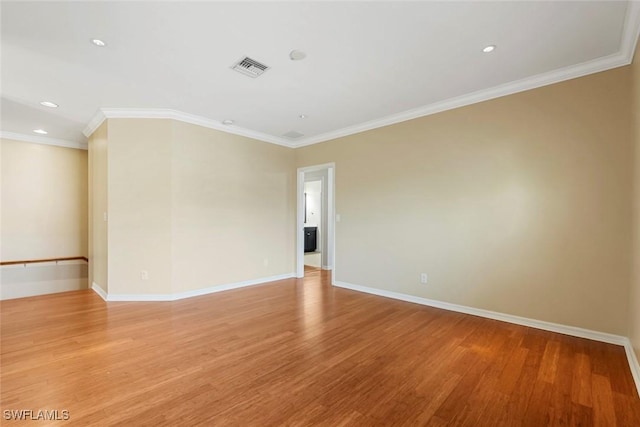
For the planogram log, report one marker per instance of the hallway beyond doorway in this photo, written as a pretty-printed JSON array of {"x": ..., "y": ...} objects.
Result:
[{"x": 313, "y": 259}]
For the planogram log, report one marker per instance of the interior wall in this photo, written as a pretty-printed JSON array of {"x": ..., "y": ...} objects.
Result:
[
  {"x": 191, "y": 208},
  {"x": 43, "y": 215},
  {"x": 634, "y": 300},
  {"x": 233, "y": 208},
  {"x": 518, "y": 205},
  {"x": 44, "y": 201},
  {"x": 98, "y": 249},
  {"x": 139, "y": 206}
]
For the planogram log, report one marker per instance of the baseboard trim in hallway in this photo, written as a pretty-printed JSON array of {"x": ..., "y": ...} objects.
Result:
[{"x": 523, "y": 321}]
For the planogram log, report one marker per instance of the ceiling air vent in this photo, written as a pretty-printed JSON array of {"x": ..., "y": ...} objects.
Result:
[
  {"x": 249, "y": 67},
  {"x": 293, "y": 134}
]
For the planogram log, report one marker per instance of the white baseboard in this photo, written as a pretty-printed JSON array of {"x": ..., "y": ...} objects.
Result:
[
  {"x": 538, "y": 324},
  {"x": 98, "y": 290},
  {"x": 633, "y": 364},
  {"x": 327, "y": 267},
  {"x": 193, "y": 293}
]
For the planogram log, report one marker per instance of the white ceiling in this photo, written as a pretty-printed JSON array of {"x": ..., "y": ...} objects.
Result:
[{"x": 368, "y": 63}]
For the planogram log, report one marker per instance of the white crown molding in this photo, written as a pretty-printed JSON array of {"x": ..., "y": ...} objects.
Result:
[
  {"x": 631, "y": 30},
  {"x": 629, "y": 39},
  {"x": 43, "y": 140},
  {"x": 188, "y": 294},
  {"x": 545, "y": 79},
  {"x": 556, "y": 76},
  {"x": 214, "y": 124},
  {"x": 94, "y": 123},
  {"x": 162, "y": 113},
  {"x": 630, "y": 34},
  {"x": 523, "y": 321}
]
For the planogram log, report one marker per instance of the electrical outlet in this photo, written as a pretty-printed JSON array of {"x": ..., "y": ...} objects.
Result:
[
  {"x": 144, "y": 275},
  {"x": 423, "y": 278}
]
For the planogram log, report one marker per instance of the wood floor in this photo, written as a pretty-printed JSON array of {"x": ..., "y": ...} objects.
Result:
[{"x": 300, "y": 353}]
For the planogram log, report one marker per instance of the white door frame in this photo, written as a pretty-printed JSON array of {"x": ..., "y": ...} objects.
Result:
[{"x": 330, "y": 167}]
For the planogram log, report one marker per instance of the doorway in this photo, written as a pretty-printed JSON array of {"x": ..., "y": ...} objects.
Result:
[{"x": 315, "y": 218}]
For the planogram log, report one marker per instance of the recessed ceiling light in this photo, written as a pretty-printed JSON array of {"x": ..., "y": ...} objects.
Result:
[
  {"x": 40, "y": 131},
  {"x": 297, "y": 55},
  {"x": 98, "y": 42},
  {"x": 489, "y": 48},
  {"x": 49, "y": 104},
  {"x": 303, "y": 116},
  {"x": 227, "y": 122}
]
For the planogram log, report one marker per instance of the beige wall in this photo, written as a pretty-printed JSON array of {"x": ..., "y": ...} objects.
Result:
[
  {"x": 233, "y": 208},
  {"x": 634, "y": 300},
  {"x": 518, "y": 205},
  {"x": 139, "y": 198},
  {"x": 195, "y": 207},
  {"x": 43, "y": 215},
  {"x": 98, "y": 255},
  {"x": 44, "y": 201}
]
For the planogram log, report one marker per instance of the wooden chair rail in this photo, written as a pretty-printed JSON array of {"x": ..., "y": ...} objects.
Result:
[{"x": 35, "y": 261}]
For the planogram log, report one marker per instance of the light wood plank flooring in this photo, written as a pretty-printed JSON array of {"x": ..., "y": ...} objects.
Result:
[{"x": 300, "y": 353}]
